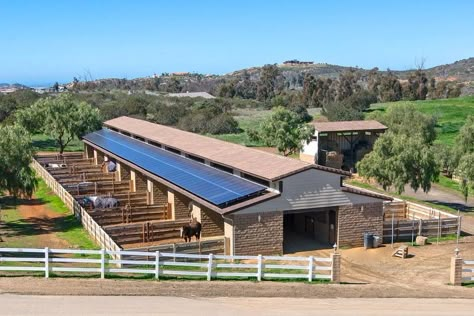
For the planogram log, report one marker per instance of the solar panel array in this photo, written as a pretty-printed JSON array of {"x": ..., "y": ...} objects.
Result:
[{"x": 215, "y": 186}]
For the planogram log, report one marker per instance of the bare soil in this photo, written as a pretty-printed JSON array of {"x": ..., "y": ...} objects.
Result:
[{"x": 38, "y": 220}]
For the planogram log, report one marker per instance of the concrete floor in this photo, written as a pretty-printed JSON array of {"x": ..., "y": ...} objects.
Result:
[{"x": 297, "y": 242}]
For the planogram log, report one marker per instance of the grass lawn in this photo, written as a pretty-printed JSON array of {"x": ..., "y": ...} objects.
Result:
[
  {"x": 451, "y": 114},
  {"x": 43, "y": 142}
]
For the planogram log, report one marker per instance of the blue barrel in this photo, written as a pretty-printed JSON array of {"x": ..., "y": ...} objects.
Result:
[{"x": 368, "y": 240}]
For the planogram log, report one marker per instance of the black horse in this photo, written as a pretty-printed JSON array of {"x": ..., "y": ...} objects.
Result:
[{"x": 190, "y": 230}]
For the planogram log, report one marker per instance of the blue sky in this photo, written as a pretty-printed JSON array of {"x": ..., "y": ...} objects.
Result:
[{"x": 47, "y": 41}]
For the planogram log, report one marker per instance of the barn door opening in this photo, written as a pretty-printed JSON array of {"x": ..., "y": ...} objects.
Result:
[{"x": 308, "y": 230}]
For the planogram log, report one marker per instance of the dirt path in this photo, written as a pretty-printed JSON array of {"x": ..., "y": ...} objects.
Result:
[{"x": 42, "y": 223}]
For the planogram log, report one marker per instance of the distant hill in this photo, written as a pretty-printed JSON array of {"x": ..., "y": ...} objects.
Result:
[
  {"x": 11, "y": 86},
  {"x": 293, "y": 73}
]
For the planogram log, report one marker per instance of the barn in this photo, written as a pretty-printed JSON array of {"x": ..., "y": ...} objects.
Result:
[
  {"x": 342, "y": 144},
  {"x": 260, "y": 202}
]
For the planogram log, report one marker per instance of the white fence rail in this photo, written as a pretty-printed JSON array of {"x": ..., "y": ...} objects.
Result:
[
  {"x": 162, "y": 264},
  {"x": 468, "y": 270},
  {"x": 94, "y": 229}
]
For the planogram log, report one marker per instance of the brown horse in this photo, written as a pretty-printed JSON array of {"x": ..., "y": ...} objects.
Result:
[{"x": 190, "y": 230}]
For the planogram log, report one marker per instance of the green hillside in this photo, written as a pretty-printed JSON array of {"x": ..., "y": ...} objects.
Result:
[{"x": 451, "y": 114}]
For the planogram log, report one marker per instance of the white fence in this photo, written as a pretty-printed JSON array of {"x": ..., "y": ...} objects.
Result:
[
  {"x": 468, "y": 270},
  {"x": 94, "y": 229},
  {"x": 160, "y": 264}
]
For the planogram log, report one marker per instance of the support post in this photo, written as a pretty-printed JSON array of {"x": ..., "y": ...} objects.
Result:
[
  {"x": 157, "y": 265},
  {"x": 209, "y": 267},
  {"x": 259, "y": 268},
  {"x": 46, "y": 262},
  {"x": 335, "y": 268},
  {"x": 458, "y": 233},
  {"x": 310, "y": 268},
  {"x": 455, "y": 276},
  {"x": 393, "y": 219},
  {"x": 102, "y": 263}
]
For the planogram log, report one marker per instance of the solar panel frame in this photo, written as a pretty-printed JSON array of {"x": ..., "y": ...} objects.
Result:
[{"x": 215, "y": 186}]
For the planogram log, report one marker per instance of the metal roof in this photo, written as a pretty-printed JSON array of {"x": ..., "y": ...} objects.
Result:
[
  {"x": 252, "y": 161},
  {"x": 346, "y": 126},
  {"x": 215, "y": 186}
]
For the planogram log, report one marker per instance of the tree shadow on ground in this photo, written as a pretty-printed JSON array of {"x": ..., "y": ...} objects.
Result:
[
  {"x": 46, "y": 144},
  {"x": 457, "y": 206},
  {"x": 39, "y": 225}
]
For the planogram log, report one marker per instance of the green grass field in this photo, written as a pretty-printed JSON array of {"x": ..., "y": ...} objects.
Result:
[
  {"x": 251, "y": 118},
  {"x": 42, "y": 142},
  {"x": 451, "y": 114}
]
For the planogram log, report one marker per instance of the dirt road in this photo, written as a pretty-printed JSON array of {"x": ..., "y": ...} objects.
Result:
[{"x": 77, "y": 305}]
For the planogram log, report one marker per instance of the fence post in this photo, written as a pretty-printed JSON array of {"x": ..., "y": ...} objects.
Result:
[
  {"x": 259, "y": 268},
  {"x": 455, "y": 276},
  {"x": 157, "y": 265},
  {"x": 102, "y": 263},
  {"x": 335, "y": 267},
  {"x": 46, "y": 262},
  {"x": 310, "y": 268},
  {"x": 209, "y": 267},
  {"x": 420, "y": 228}
]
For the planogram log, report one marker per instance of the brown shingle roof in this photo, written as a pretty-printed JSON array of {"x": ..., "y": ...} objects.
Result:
[
  {"x": 345, "y": 126},
  {"x": 255, "y": 162}
]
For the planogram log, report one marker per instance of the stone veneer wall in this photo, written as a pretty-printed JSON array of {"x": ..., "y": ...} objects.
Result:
[
  {"x": 125, "y": 172},
  {"x": 140, "y": 181},
  {"x": 89, "y": 151},
  {"x": 212, "y": 223},
  {"x": 181, "y": 206},
  {"x": 253, "y": 238},
  {"x": 100, "y": 157},
  {"x": 355, "y": 220},
  {"x": 160, "y": 194}
]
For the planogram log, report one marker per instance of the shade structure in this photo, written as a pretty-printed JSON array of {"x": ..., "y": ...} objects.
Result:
[{"x": 213, "y": 185}]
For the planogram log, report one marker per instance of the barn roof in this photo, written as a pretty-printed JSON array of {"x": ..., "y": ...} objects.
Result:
[
  {"x": 251, "y": 161},
  {"x": 345, "y": 126}
]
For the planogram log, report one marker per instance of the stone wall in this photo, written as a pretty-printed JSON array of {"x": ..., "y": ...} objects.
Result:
[
  {"x": 140, "y": 182},
  {"x": 160, "y": 194},
  {"x": 212, "y": 223},
  {"x": 355, "y": 220},
  {"x": 124, "y": 172},
  {"x": 181, "y": 206},
  {"x": 252, "y": 237},
  {"x": 100, "y": 157},
  {"x": 89, "y": 151}
]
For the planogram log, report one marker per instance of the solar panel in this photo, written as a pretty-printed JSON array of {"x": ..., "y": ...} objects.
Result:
[{"x": 215, "y": 186}]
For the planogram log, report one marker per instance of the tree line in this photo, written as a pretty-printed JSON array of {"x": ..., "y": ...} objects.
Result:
[{"x": 342, "y": 98}]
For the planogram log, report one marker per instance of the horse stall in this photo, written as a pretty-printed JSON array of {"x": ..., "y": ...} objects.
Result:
[
  {"x": 404, "y": 221},
  {"x": 136, "y": 221}
]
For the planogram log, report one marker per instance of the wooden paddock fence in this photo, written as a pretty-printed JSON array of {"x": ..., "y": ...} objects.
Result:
[
  {"x": 403, "y": 221},
  {"x": 63, "y": 262},
  {"x": 205, "y": 246},
  {"x": 95, "y": 230}
]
